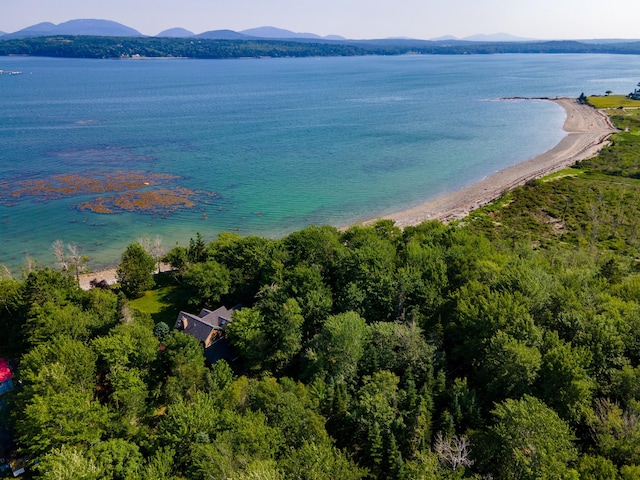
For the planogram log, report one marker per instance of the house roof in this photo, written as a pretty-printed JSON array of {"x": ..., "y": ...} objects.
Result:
[
  {"x": 200, "y": 326},
  {"x": 218, "y": 318},
  {"x": 193, "y": 325},
  {"x": 5, "y": 371}
]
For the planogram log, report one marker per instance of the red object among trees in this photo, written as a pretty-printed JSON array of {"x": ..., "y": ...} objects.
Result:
[
  {"x": 6, "y": 378},
  {"x": 5, "y": 371}
]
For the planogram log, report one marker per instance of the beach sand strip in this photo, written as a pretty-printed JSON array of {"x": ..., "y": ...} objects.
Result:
[{"x": 588, "y": 130}]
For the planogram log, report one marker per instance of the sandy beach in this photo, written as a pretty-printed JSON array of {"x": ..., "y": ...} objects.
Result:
[
  {"x": 587, "y": 131},
  {"x": 109, "y": 275}
]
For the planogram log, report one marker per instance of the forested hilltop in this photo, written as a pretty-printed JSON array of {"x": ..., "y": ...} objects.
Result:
[
  {"x": 123, "y": 47},
  {"x": 504, "y": 346}
]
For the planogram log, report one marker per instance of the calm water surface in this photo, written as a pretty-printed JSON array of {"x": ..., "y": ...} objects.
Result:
[{"x": 283, "y": 143}]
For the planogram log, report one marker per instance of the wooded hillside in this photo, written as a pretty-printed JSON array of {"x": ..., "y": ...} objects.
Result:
[{"x": 80, "y": 46}]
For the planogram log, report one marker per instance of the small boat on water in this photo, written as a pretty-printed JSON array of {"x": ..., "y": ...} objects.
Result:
[{"x": 7, "y": 72}]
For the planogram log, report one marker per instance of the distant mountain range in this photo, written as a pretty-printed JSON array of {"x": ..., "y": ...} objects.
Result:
[
  {"x": 279, "y": 33},
  {"x": 176, "y": 33},
  {"x": 108, "y": 28},
  {"x": 105, "y": 28}
]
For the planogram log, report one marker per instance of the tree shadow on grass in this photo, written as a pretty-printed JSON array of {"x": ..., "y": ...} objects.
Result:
[{"x": 164, "y": 302}]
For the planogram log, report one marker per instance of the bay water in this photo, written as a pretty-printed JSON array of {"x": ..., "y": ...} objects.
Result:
[{"x": 283, "y": 143}]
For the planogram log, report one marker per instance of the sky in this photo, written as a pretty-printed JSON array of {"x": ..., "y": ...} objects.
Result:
[{"x": 356, "y": 19}]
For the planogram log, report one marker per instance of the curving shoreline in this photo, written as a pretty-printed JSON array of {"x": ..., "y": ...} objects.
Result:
[{"x": 588, "y": 131}]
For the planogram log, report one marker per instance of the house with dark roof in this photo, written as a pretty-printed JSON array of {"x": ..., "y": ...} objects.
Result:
[
  {"x": 6, "y": 378},
  {"x": 208, "y": 327}
]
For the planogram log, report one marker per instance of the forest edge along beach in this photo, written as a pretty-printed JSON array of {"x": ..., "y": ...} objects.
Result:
[{"x": 588, "y": 130}]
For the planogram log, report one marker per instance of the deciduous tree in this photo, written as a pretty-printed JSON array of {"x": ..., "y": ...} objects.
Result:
[
  {"x": 337, "y": 349},
  {"x": 206, "y": 282},
  {"x": 530, "y": 441},
  {"x": 135, "y": 272}
]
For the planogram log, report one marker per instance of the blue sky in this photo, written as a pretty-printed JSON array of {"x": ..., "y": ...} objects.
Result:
[{"x": 544, "y": 19}]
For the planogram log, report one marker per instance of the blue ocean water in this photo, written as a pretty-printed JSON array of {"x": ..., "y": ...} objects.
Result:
[{"x": 284, "y": 143}]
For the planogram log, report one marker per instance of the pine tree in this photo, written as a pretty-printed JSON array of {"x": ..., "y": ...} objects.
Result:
[
  {"x": 375, "y": 448},
  {"x": 395, "y": 461}
]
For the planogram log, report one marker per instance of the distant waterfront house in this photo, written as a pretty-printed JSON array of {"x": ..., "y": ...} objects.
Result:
[
  {"x": 635, "y": 95},
  {"x": 208, "y": 327},
  {"x": 6, "y": 378}
]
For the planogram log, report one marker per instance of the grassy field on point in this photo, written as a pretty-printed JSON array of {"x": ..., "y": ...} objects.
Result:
[{"x": 614, "y": 101}]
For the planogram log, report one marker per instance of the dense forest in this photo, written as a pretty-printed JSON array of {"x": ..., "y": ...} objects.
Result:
[
  {"x": 505, "y": 346},
  {"x": 124, "y": 47}
]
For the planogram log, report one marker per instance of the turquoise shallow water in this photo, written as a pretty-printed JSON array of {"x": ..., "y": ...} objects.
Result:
[{"x": 284, "y": 142}]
